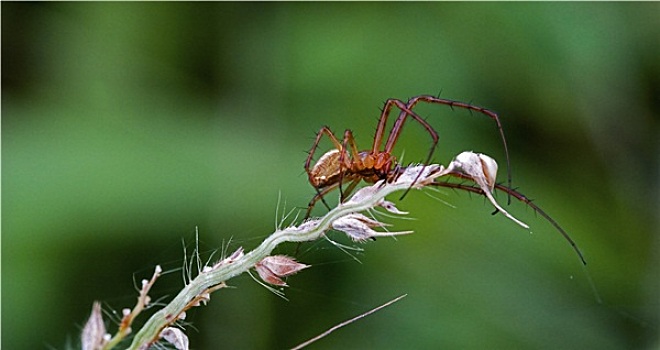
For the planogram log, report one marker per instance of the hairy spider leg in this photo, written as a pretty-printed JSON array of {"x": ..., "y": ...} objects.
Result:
[
  {"x": 349, "y": 141},
  {"x": 519, "y": 196},
  {"x": 321, "y": 193},
  {"x": 396, "y": 129},
  {"x": 325, "y": 130}
]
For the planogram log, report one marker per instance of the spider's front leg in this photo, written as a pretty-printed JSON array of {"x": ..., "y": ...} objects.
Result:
[
  {"x": 451, "y": 103},
  {"x": 406, "y": 110},
  {"x": 522, "y": 198}
]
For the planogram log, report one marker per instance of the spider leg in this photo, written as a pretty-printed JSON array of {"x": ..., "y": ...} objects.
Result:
[
  {"x": 324, "y": 131},
  {"x": 348, "y": 143},
  {"x": 380, "y": 128},
  {"x": 319, "y": 196},
  {"x": 396, "y": 129},
  {"x": 350, "y": 188},
  {"x": 320, "y": 193},
  {"x": 522, "y": 198},
  {"x": 406, "y": 110}
]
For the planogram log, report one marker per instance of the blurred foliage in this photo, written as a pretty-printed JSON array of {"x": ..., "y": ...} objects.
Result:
[{"x": 127, "y": 125}]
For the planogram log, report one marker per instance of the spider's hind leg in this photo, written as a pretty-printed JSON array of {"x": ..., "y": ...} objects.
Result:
[
  {"x": 349, "y": 190},
  {"x": 319, "y": 197}
]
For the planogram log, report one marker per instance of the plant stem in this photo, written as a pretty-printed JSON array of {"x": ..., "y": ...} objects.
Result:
[{"x": 308, "y": 231}]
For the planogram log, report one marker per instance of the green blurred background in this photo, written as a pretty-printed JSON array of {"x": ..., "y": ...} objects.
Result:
[{"x": 127, "y": 125}]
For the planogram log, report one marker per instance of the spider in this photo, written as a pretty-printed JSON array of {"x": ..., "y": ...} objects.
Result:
[{"x": 345, "y": 164}]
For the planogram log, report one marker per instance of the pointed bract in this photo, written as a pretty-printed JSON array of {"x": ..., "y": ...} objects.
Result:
[
  {"x": 272, "y": 268},
  {"x": 359, "y": 227},
  {"x": 176, "y": 337},
  {"x": 93, "y": 334},
  {"x": 482, "y": 169}
]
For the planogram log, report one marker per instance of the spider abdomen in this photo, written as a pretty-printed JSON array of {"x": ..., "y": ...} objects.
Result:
[{"x": 326, "y": 171}]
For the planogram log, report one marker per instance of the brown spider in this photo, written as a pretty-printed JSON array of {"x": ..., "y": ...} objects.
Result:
[{"x": 346, "y": 164}]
